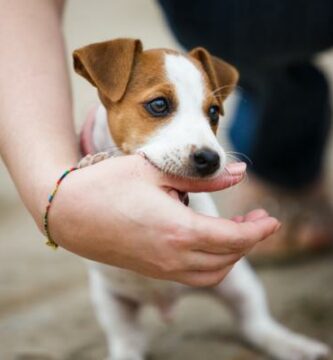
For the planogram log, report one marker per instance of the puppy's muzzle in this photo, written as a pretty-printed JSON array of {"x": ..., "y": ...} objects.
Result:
[{"x": 205, "y": 161}]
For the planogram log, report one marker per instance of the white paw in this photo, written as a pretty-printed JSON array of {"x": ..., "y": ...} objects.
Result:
[
  {"x": 282, "y": 344},
  {"x": 297, "y": 347}
]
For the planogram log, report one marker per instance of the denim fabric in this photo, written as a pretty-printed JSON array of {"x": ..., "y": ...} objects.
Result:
[{"x": 282, "y": 123}]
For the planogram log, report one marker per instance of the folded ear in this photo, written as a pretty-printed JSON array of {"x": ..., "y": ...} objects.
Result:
[
  {"x": 108, "y": 65},
  {"x": 222, "y": 76}
]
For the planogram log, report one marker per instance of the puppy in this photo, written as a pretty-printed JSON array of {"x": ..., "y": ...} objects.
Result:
[{"x": 167, "y": 105}]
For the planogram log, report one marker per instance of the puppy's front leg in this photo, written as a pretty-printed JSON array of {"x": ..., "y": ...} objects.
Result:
[
  {"x": 244, "y": 294},
  {"x": 119, "y": 319}
]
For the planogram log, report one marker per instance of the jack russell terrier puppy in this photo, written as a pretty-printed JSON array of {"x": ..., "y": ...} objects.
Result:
[{"x": 167, "y": 106}]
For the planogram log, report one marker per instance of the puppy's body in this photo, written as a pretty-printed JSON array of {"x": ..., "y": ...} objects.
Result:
[{"x": 180, "y": 141}]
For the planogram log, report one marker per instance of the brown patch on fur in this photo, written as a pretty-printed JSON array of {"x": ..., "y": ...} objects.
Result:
[
  {"x": 129, "y": 122},
  {"x": 223, "y": 77},
  {"x": 107, "y": 65},
  {"x": 210, "y": 98},
  {"x": 127, "y": 78}
]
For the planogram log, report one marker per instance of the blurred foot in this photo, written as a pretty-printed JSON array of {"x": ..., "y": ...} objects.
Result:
[{"x": 306, "y": 217}]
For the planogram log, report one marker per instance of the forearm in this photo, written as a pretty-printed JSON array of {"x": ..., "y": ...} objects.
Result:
[{"x": 37, "y": 139}]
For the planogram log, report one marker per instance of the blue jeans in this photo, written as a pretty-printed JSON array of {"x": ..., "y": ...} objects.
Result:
[{"x": 283, "y": 119}]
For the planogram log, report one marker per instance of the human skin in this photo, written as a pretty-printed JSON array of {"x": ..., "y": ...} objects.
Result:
[{"x": 121, "y": 211}]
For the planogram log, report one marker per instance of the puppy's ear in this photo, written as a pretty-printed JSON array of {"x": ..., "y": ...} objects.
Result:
[
  {"x": 222, "y": 76},
  {"x": 108, "y": 65}
]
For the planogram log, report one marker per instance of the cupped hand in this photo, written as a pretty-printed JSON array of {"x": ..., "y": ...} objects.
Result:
[{"x": 120, "y": 212}]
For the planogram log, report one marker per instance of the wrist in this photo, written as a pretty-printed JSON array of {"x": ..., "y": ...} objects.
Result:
[
  {"x": 37, "y": 201},
  {"x": 51, "y": 197}
]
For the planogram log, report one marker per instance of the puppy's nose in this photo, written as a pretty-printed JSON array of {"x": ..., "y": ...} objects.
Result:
[{"x": 205, "y": 161}]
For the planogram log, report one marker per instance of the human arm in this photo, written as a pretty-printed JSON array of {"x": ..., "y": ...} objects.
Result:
[
  {"x": 37, "y": 139},
  {"x": 117, "y": 212}
]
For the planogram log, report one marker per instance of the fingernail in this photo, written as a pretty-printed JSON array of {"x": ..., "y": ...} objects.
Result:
[
  {"x": 235, "y": 179},
  {"x": 236, "y": 168}
]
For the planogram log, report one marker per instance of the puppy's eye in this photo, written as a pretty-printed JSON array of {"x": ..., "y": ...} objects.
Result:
[
  {"x": 214, "y": 114},
  {"x": 158, "y": 107}
]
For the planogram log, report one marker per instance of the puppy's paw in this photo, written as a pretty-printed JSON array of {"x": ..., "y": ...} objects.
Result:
[
  {"x": 283, "y": 344},
  {"x": 297, "y": 347}
]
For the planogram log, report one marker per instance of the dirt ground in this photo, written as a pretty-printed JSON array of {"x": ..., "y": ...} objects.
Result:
[{"x": 45, "y": 312}]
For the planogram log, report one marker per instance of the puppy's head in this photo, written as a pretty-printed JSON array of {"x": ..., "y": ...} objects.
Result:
[{"x": 162, "y": 103}]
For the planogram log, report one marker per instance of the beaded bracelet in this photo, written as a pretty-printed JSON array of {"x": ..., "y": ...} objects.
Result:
[{"x": 49, "y": 240}]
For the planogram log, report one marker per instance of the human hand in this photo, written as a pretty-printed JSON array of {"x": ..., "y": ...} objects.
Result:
[{"x": 120, "y": 212}]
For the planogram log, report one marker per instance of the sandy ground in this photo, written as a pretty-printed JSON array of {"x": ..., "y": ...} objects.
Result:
[{"x": 45, "y": 312}]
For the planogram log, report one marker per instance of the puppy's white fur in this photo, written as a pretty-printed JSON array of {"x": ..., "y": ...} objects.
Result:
[{"x": 169, "y": 148}]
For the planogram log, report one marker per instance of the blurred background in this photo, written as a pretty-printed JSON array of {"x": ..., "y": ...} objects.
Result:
[{"x": 45, "y": 312}]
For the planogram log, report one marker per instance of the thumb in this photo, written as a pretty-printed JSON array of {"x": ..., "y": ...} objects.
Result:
[
  {"x": 232, "y": 175},
  {"x": 223, "y": 235}
]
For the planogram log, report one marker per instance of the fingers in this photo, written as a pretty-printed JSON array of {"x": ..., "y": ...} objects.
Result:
[
  {"x": 238, "y": 218},
  {"x": 222, "y": 236},
  {"x": 203, "y": 278},
  {"x": 259, "y": 228},
  {"x": 256, "y": 215},
  {"x": 232, "y": 175},
  {"x": 202, "y": 261},
  {"x": 236, "y": 168},
  {"x": 251, "y": 216}
]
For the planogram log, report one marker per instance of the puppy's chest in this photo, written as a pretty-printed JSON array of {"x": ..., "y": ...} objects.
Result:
[{"x": 137, "y": 287}]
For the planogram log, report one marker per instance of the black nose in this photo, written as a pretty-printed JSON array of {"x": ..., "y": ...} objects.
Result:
[{"x": 205, "y": 161}]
